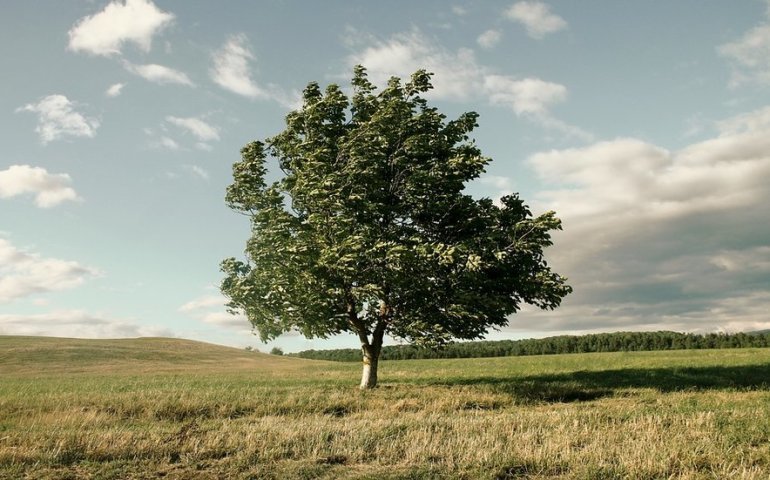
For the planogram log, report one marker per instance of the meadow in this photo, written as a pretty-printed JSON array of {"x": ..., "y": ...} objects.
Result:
[{"x": 176, "y": 409}]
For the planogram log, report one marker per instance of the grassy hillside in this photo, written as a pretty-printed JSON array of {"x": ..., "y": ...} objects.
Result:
[
  {"x": 49, "y": 355},
  {"x": 152, "y": 408}
]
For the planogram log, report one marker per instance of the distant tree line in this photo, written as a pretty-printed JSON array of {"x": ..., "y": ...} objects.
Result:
[{"x": 600, "y": 342}]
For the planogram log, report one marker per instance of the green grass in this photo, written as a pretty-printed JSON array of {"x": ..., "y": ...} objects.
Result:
[{"x": 162, "y": 408}]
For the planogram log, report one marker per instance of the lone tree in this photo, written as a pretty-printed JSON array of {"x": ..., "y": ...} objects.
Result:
[{"x": 368, "y": 230}]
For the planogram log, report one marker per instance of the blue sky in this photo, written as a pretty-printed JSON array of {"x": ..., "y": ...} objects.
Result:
[{"x": 645, "y": 125}]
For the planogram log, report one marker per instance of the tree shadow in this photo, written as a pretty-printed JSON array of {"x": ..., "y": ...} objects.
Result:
[{"x": 586, "y": 385}]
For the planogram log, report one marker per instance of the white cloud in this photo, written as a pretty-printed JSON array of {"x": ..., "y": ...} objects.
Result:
[
  {"x": 750, "y": 56},
  {"x": 115, "y": 90},
  {"x": 231, "y": 69},
  {"x": 76, "y": 324},
  {"x": 459, "y": 10},
  {"x": 756, "y": 121},
  {"x": 227, "y": 320},
  {"x": 169, "y": 143},
  {"x": 57, "y": 119},
  {"x": 658, "y": 239},
  {"x": 203, "y": 302},
  {"x": 49, "y": 189},
  {"x": 211, "y": 309},
  {"x": 202, "y": 130},
  {"x": 119, "y": 23},
  {"x": 458, "y": 76},
  {"x": 159, "y": 74},
  {"x": 23, "y": 274},
  {"x": 200, "y": 172},
  {"x": 628, "y": 175},
  {"x": 752, "y": 49},
  {"x": 549, "y": 122},
  {"x": 524, "y": 96},
  {"x": 489, "y": 38},
  {"x": 536, "y": 18},
  {"x": 532, "y": 98}
]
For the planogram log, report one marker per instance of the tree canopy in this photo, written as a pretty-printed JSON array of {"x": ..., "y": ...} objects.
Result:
[{"x": 367, "y": 228}]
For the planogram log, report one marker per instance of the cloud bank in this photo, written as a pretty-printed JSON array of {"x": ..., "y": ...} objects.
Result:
[{"x": 658, "y": 239}]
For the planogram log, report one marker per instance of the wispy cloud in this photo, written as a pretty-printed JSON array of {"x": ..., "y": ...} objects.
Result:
[
  {"x": 489, "y": 38},
  {"x": 202, "y": 302},
  {"x": 203, "y": 131},
  {"x": 77, "y": 324},
  {"x": 49, "y": 189},
  {"x": 115, "y": 90},
  {"x": 536, "y": 18},
  {"x": 211, "y": 309},
  {"x": 168, "y": 143},
  {"x": 58, "y": 119},
  {"x": 755, "y": 121},
  {"x": 159, "y": 74},
  {"x": 23, "y": 273},
  {"x": 198, "y": 171},
  {"x": 225, "y": 319},
  {"x": 231, "y": 69},
  {"x": 119, "y": 23},
  {"x": 750, "y": 55}
]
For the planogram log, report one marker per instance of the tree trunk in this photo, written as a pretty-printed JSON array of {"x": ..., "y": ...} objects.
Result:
[
  {"x": 371, "y": 353},
  {"x": 371, "y": 360}
]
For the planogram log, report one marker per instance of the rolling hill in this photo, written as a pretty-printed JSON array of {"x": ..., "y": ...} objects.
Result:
[{"x": 19, "y": 354}]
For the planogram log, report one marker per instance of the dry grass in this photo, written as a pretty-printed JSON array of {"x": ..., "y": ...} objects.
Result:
[{"x": 232, "y": 414}]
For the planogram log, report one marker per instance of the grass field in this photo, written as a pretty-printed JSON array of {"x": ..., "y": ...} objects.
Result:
[{"x": 161, "y": 408}]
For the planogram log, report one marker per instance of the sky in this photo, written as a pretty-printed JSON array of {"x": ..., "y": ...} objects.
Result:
[{"x": 644, "y": 125}]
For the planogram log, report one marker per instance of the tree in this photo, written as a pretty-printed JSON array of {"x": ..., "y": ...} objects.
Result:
[
  {"x": 276, "y": 351},
  {"x": 367, "y": 229}
]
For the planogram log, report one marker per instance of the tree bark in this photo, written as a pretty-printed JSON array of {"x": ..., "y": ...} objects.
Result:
[
  {"x": 371, "y": 352},
  {"x": 371, "y": 361}
]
